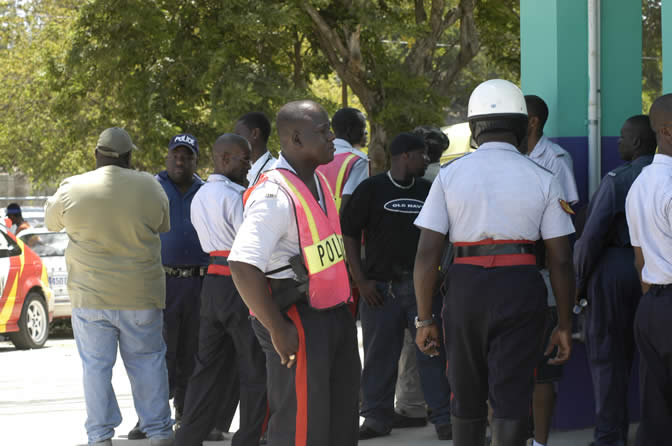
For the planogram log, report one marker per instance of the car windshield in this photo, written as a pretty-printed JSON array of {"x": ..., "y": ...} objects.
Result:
[{"x": 47, "y": 245}]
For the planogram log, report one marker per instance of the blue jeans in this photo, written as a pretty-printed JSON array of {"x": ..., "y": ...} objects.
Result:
[
  {"x": 383, "y": 333},
  {"x": 138, "y": 335}
]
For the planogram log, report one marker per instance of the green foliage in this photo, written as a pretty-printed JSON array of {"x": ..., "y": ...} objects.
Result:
[
  {"x": 652, "y": 48},
  {"x": 71, "y": 68},
  {"x": 33, "y": 138}
]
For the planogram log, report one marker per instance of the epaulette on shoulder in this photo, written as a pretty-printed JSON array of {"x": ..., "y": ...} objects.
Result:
[
  {"x": 535, "y": 163},
  {"x": 560, "y": 155},
  {"x": 619, "y": 169},
  {"x": 447, "y": 163}
]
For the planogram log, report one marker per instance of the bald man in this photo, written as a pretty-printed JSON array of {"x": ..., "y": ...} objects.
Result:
[
  {"x": 606, "y": 276},
  {"x": 648, "y": 208},
  {"x": 226, "y": 339},
  {"x": 291, "y": 239}
]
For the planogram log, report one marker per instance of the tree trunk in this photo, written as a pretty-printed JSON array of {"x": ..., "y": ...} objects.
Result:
[{"x": 377, "y": 153}]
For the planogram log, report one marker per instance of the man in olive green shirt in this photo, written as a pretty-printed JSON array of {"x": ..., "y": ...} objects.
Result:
[{"x": 113, "y": 216}]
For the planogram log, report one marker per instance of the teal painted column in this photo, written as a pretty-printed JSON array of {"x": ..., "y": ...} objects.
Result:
[
  {"x": 621, "y": 66},
  {"x": 554, "y": 65},
  {"x": 666, "y": 19}
]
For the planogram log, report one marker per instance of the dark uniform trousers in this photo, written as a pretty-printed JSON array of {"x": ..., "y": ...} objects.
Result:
[
  {"x": 226, "y": 340},
  {"x": 653, "y": 335},
  {"x": 493, "y": 327},
  {"x": 315, "y": 403},
  {"x": 614, "y": 292},
  {"x": 383, "y": 338},
  {"x": 180, "y": 332}
]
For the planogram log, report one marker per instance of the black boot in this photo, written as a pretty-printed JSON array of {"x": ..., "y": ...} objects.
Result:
[
  {"x": 506, "y": 432},
  {"x": 136, "y": 433},
  {"x": 468, "y": 431}
]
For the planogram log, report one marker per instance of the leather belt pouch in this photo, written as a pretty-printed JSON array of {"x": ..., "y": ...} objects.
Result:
[{"x": 286, "y": 293}]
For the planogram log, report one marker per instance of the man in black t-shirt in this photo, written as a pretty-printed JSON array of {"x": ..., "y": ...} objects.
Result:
[{"x": 383, "y": 209}]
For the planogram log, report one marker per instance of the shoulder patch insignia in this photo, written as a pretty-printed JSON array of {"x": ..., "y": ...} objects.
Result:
[
  {"x": 565, "y": 206},
  {"x": 612, "y": 174},
  {"x": 560, "y": 155}
]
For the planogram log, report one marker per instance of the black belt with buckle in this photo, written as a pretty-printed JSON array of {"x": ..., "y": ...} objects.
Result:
[
  {"x": 494, "y": 249},
  {"x": 185, "y": 271}
]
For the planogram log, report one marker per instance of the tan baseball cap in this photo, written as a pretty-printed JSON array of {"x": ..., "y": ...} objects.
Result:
[{"x": 114, "y": 142}]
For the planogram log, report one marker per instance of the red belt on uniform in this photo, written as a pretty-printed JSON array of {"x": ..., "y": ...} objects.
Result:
[
  {"x": 490, "y": 253},
  {"x": 219, "y": 263}
]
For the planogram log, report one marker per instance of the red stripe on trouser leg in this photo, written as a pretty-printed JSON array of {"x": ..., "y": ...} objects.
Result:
[
  {"x": 355, "y": 301},
  {"x": 264, "y": 425},
  {"x": 300, "y": 381}
]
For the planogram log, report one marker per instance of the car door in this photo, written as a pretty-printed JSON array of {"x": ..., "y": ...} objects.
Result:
[{"x": 9, "y": 250}]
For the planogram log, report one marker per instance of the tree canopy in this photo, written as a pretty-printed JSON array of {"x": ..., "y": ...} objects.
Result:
[{"x": 157, "y": 67}]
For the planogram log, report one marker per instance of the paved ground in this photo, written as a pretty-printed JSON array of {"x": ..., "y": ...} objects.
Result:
[{"x": 42, "y": 403}]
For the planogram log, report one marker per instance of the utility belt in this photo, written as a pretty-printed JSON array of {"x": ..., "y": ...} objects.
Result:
[
  {"x": 219, "y": 263},
  {"x": 494, "y": 253},
  {"x": 184, "y": 271}
]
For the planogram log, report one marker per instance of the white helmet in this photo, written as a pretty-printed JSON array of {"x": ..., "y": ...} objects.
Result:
[
  {"x": 496, "y": 97},
  {"x": 497, "y": 106}
]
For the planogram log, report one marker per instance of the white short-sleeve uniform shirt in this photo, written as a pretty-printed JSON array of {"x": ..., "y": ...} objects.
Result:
[
  {"x": 648, "y": 208},
  {"x": 495, "y": 193},
  {"x": 269, "y": 236},
  {"x": 559, "y": 161},
  {"x": 217, "y": 212}
]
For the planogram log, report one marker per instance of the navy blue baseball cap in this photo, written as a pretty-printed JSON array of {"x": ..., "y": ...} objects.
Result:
[{"x": 186, "y": 140}]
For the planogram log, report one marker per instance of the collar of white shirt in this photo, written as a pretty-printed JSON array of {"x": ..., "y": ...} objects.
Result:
[
  {"x": 284, "y": 164},
  {"x": 496, "y": 145},
  {"x": 540, "y": 148},
  {"x": 343, "y": 146},
  {"x": 262, "y": 160},
  {"x": 222, "y": 178},
  {"x": 659, "y": 158}
]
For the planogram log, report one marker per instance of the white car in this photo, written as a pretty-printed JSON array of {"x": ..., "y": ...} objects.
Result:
[{"x": 50, "y": 246}]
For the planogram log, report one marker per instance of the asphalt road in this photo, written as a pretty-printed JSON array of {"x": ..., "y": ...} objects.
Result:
[{"x": 42, "y": 403}]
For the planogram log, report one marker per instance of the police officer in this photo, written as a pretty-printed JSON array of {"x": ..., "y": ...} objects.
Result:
[
  {"x": 383, "y": 209},
  {"x": 605, "y": 274},
  {"x": 256, "y": 128},
  {"x": 647, "y": 208},
  {"x": 226, "y": 339},
  {"x": 493, "y": 204},
  {"x": 291, "y": 235},
  {"x": 184, "y": 263},
  {"x": 547, "y": 153},
  {"x": 350, "y": 166},
  {"x": 554, "y": 158}
]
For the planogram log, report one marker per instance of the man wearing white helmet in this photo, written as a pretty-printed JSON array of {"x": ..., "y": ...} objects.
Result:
[{"x": 493, "y": 205}]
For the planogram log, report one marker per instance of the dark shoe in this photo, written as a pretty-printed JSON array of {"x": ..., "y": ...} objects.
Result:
[
  {"x": 400, "y": 421},
  {"x": 136, "y": 433},
  {"x": 444, "y": 431},
  {"x": 215, "y": 435},
  {"x": 365, "y": 432},
  {"x": 468, "y": 430},
  {"x": 507, "y": 432}
]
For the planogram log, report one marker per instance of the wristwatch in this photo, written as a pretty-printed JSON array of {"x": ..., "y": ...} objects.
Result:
[{"x": 425, "y": 323}]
